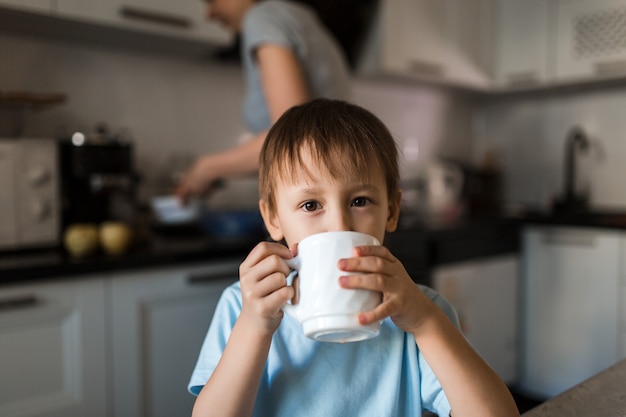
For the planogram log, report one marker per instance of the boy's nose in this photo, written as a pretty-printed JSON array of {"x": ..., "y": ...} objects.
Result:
[{"x": 340, "y": 222}]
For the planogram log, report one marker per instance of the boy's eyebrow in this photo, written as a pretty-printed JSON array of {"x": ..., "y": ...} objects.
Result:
[{"x": 356, "y": 187}]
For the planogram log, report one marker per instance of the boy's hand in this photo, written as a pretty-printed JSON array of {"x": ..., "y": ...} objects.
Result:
[
  {"x": 380, "y": 271},
  {"x": 264, "y": 285}
]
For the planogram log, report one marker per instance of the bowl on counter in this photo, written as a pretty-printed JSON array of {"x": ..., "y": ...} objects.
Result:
[
  {"x": 169, "y": 210},
  {"x": 232, "y": 224}
]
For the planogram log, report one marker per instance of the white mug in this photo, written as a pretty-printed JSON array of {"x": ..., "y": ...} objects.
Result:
[{"x": 326, "y": 311}]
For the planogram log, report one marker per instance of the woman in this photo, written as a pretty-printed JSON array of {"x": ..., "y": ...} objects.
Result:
[{"x": 288, "y": 57}]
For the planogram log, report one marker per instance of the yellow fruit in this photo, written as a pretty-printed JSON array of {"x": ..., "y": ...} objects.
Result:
[
  {"x": 81, "y": 239},
  {"x": 115, "y": 237}
]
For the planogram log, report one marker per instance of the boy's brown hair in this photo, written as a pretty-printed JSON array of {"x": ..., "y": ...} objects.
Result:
[{"x": 342, "y": 137}]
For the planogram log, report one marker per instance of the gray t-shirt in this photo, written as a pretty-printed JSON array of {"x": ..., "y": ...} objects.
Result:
[{"x": 297, "y": 27}]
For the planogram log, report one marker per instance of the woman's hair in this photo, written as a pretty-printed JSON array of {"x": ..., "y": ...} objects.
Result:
[
  {"x": 344, "y": 138},
  {"x": 348, "y": 20}
]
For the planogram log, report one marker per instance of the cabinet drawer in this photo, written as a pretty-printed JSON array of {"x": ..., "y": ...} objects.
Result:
[{"x": 622, "y": 316}]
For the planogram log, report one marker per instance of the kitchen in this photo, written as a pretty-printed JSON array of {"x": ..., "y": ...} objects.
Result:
[{"x": 175, "y": 102}]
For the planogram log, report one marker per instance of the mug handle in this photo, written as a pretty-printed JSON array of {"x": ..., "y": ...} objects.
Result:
[{"x": 292, "y": 280}]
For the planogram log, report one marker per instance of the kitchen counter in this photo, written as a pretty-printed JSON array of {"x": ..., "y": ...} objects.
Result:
[
  {"x": 601, "y": 395},
  {"x": 419, "y": 246},
  {"x": 156, "y": 251},
  {"x": 595, "y": 219}
]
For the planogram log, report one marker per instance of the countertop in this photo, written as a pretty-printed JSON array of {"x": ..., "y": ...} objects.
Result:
[
  {"x": 419, "y": 246},
  {"x": 158, "y": 250},
  {"x": 600, "y": 219},
  {"x": 601, "y": 395}
]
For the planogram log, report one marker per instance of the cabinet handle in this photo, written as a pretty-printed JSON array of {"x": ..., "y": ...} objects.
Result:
[
  {"x": 610, "y": 67},
  {"x": 570, "y": 239},
  {"x": 430, "y": 69},
  {"x": 207, "y": 278},
  {"x": 522, "y": 79},
  {"x": 136, "y": 13},
  {"x": 18, "y": 302}
]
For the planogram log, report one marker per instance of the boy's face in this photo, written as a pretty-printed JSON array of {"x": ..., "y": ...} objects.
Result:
[{"x": 319, "y": 203}]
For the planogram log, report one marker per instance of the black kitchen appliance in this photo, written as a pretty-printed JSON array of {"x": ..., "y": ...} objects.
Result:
[{"x": 98, "y": 181}]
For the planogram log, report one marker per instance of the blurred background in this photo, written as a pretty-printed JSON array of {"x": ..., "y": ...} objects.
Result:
[{"x": 509, "y": 115}]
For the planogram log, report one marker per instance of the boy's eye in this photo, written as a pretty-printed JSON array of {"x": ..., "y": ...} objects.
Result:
[
  {"x": 360, "y": 201},
  {"x": 310, "y": 206}
]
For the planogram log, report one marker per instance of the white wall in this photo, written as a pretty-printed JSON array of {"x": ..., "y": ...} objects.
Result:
[
  {"x": 177, "y": 105},
  {"x": 528, "y": 132}
]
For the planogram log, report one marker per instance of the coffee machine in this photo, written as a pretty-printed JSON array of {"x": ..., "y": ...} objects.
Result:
[{"x": 98, "y": 179}]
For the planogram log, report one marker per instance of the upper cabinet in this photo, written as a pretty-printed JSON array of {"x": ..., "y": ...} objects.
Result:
[
  {"x": 544, "y": 43},
  {"x": 183, "y": 20},
  {"x": 445, "y": 41},
  {"x": 179, "y": 19},
  {"x": 590, "y": 39},
  {"x": 522, "y": 43},
  {"x": 28, "y": 5},
  {"x": 500, "y": 45}
]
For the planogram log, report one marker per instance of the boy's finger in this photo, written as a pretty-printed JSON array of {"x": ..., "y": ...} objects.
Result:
[
  {"x": 263, "y": 250},
  {"x": 372, "y": 316},
  {"x": 373, "y": 282},
  {"x": 379, "y": 251}
]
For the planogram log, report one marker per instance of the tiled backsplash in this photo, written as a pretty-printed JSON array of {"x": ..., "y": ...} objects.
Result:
[
  {"x": 177, "y": 107},
  {"x": 181, "y": 107},
  {"x": 529, "y": 132}
]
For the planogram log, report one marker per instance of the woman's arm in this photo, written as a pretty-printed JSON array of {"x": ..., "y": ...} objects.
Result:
[{"x": 284, "y": 86}]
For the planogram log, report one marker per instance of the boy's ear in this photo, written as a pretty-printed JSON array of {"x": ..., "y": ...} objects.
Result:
[
  {"x": 271, "y": 222},
  {"x": 394, "y": 212}
]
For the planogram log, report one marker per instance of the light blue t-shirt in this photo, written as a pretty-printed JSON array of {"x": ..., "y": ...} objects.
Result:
[
  {"x": 296, "y": 27},
  {"x": 383, "y": 376}
]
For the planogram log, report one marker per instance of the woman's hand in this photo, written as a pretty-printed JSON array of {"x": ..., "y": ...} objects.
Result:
[
  {"x": 378, "y": 270},
  {"x": 263, "y": 278},
  {"x": 200, "y": 179}
]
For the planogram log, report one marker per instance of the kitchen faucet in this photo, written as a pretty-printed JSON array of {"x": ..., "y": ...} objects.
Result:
[{"x": 576, "y": 140}]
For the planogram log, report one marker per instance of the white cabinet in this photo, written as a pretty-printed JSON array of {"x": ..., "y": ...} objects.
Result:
[
  {"x": 28, "y": 5},
  {"x": 8, "y": 194},
  {"x": 622, "y": 299},
  {"x": 559, "y": 42},
  {"x": 485, "y": 295},
  {"x": 52, "y": 349},
  {"x": 159, "y": 320},
  {"x": 523, "y": 43},
  {"x": 590, "y": 39},
  {"x": 177, "y": 19},
  {"x": 446, "y": 41},
  {"x": 571, "y": 295}
]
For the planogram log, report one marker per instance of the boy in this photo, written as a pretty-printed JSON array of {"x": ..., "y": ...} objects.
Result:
[{"x": 330, "y": 165}]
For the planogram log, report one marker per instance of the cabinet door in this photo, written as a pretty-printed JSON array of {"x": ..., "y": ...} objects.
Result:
[
  {"x": 470, "y": 26},
  {"x": 8, "y": 209},
  {"x": 570, "y": 307},
  {"x": 523, "y": 43},
  {"x": 183, "y": 19},
  {"x": 159, "y": 320},
  {"x": 415, "y": 37},
  {"x": 622, "y": 300},
  {"x": 52, "y": 341},
  {"x": 590, "y": 39},
  {"x": 485, "y": 296},
  {"x": 28, "y": 5},
  {"x": 438, "y": 40}
]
